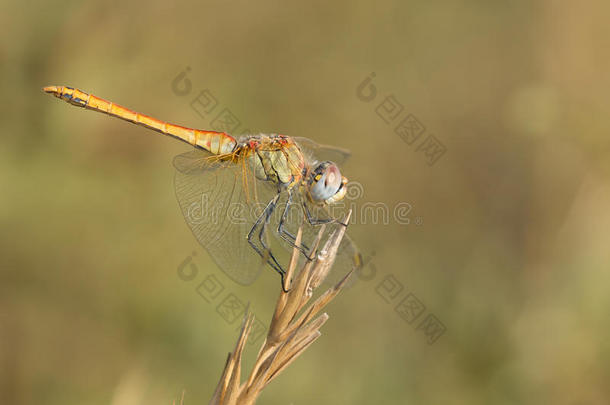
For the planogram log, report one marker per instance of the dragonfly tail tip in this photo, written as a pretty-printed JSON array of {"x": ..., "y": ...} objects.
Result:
[{"x": 50, "y": 89}]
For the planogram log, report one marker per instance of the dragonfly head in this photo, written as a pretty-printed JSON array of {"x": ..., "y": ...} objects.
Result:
[{"x": 326, "y": 185}]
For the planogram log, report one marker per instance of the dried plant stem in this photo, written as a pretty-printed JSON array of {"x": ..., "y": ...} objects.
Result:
[{"x": 293, "y": 327}]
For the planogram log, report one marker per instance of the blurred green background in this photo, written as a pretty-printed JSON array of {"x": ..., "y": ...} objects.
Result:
[{"x": 507, "y": 244}]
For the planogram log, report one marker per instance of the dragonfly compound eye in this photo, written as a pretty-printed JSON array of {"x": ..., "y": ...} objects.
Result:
[{"x": 327, "y": 184}]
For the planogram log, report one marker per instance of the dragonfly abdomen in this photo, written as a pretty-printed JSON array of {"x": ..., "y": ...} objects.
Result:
[{"x": 212, "y": 141}]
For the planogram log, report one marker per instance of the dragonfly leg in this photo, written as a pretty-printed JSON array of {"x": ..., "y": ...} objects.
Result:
[
  {"x": 286, "y": 235},
  {"x": 319, "y": 221},
  {"x": 265, "y": 252},
  {"x": 261, "y": 239}
]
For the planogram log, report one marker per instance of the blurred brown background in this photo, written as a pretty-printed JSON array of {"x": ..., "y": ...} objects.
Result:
[{"x": 507, "y": 245}]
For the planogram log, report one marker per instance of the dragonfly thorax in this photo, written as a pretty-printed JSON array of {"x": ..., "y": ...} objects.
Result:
[{"x": 274, "y": 158}]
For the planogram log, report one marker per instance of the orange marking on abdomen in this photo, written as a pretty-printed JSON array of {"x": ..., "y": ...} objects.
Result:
[{"x": 212, "y": 141}]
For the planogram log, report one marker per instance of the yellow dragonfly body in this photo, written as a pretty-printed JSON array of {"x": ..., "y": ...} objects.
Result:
[{"x": 212, "y": 186}]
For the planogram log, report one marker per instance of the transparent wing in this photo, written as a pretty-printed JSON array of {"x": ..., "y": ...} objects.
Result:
[
  {"x": 348, "y": 258},
  {"x": 221, "y": 202},
  {"x": 319, "y": 152},
  {"x": 220, "y": 209}
]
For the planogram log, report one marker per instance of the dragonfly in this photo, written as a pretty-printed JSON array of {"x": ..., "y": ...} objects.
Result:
[{"x": 245, "y": 197}]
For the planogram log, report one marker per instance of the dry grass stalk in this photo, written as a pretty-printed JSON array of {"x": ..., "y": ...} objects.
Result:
[{"x": 293, "y": 327}]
